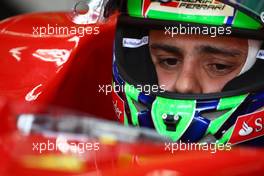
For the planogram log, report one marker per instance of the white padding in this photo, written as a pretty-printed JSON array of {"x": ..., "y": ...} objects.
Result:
[{"x": 253, "y": 48}]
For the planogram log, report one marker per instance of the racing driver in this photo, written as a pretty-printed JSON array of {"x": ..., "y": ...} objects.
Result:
[{"x": 210, "y": 81}]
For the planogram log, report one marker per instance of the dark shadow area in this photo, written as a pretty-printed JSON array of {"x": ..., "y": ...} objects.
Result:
[{"x": 7, "y": 10}]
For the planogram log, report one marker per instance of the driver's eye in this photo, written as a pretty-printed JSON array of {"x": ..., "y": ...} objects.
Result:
[
  {"x": 169, "y": 62},
  {"x": 220, "y": 69},
  {"x": 221, "y": 66}
]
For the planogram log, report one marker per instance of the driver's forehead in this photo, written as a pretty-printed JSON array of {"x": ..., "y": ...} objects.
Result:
[{"x": 195, "y": 41}]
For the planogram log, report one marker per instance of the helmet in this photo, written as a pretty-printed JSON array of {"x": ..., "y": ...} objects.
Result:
[{"x": 232, "y": 114}]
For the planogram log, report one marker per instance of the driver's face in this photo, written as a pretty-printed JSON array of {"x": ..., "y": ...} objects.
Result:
[{"x": 196, "y": 64}]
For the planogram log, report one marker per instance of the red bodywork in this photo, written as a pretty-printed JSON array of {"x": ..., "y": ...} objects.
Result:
[
  {"x": 71, "y": 80},
  {"x": 65, "y": 71}
]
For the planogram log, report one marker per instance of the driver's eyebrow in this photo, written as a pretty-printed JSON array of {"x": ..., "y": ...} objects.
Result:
[
  {"x": 207, "y": 49},
  {"x": 167, "y": 48}
]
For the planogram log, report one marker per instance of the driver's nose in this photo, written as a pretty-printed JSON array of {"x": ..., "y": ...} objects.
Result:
[{"x": 187, "y": 81}]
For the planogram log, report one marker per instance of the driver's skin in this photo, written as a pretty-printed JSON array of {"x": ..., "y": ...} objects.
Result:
[{"x": 196, "y": 63}]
